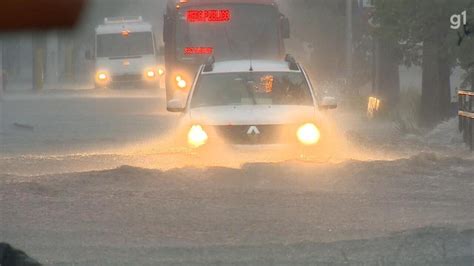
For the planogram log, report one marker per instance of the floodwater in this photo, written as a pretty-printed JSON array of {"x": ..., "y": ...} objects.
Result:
[{"x": 95, "y": 178}]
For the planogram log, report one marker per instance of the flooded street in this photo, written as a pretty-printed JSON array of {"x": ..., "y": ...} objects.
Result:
[
  {"x": 88, "y": 179},
  {"x": 237, "y": 132}
]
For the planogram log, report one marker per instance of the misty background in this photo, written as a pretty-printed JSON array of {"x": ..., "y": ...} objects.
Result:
[
  {"x": 400, "y": 50},
  {"x": 95, "y": 177}
]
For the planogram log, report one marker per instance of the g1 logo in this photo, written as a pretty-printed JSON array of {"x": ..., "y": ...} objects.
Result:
[{"x": 458, "y": 20}]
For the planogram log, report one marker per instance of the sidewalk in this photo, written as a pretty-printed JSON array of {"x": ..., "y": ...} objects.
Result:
[{"x": 26, "y": 87}]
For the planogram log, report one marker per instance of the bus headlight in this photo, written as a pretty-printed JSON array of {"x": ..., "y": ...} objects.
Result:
[
  {"x": 180, "y": 82},
  {"x": 308, "y": 134},
  {"x": 197, "y": 137}
]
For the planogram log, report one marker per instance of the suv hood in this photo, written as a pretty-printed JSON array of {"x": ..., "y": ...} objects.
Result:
[{"x": 252, "y": 115}]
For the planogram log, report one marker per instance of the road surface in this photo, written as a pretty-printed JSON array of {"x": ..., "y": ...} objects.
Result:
[{"x": 93, "y": 178}]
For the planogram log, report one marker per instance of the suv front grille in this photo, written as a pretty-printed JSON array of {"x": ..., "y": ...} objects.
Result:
[{"x": 254, "y": 135}]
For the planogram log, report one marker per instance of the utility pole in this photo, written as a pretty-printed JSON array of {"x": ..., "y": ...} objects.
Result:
[
  {"x": 39, "y": 60},
  {"x": 52, "y": 61},
  {"x": 349, "y": 37},
  {"x": 2, "y": 71}
]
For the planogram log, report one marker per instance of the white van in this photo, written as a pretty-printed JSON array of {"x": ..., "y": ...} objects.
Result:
[{"x": 125, "y": 54}]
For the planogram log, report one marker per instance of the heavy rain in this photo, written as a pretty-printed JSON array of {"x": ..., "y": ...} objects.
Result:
[{"x": 235, "y": 132}]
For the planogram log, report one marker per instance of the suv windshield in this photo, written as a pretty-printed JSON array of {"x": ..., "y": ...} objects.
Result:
[
  {"x": 117, "y": 45},
  {"x": 256, "y": 88}
]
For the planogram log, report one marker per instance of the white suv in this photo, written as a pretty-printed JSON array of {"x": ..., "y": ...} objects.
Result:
[{"x": 257, "y": 102}]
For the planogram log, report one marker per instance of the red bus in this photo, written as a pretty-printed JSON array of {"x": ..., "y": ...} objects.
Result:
[{"x": 227, "y": 29}]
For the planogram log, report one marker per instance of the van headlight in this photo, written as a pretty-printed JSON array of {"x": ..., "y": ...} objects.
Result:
[
  {"x": 102, "y": 78},
  {"x": 308, "y": 134},
  {"x": 197, "y": 137},
  {"x": 150, "y": 74}
]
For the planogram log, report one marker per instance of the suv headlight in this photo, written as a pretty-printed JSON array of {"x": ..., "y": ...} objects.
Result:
[
  {"x": 308, "y": 134},
  {"x": 197, "y": 137}
]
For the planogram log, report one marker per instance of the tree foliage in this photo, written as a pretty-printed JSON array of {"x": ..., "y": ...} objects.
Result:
[
  {"x": 465, "y": 53},
  {"x": 412, "y": 22},
  {"x": 322, "y": 23},
  {"x": 421, "y": 30}
]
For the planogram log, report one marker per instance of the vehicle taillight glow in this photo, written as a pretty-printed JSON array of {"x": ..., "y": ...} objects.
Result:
[
  {"x": 198, "y": 50},
  {"x": 213, "y": 15}
]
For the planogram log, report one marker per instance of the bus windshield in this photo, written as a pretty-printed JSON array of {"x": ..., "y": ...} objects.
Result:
[
  {"x": 119, "y": 45},
  {"x": 250, "y": 31}
]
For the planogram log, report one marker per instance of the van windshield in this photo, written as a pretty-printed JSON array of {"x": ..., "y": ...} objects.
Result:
[{"x": 119, "y": 45}]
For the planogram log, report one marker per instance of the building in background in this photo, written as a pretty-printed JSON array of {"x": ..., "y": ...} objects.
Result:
[{"x": 56, "y": 58}]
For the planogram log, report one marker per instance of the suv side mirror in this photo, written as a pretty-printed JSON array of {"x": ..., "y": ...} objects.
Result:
[
  {"x": 89, "y": 55},
  {"x": 176, "y": 106},
  {"x": 285, "y": 28},
  {"x": 328, "y": 103}
]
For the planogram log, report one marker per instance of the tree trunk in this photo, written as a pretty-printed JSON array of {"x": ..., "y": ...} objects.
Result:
[
  {"x": 444, "y": 102},
  {"x": 2, "y": 84},
  {"x": 39, "y": 60},
  {"x": 2, "y": 72},
  {"x": 436, "y": 88},
  {"x": 387, "y": 74},
  {"x": 471, "y": 73}
]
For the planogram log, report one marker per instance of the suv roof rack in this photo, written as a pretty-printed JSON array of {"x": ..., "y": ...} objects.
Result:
[
  {"x": 291, "y": 62},
  {"x": 209, "y": 66}
]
